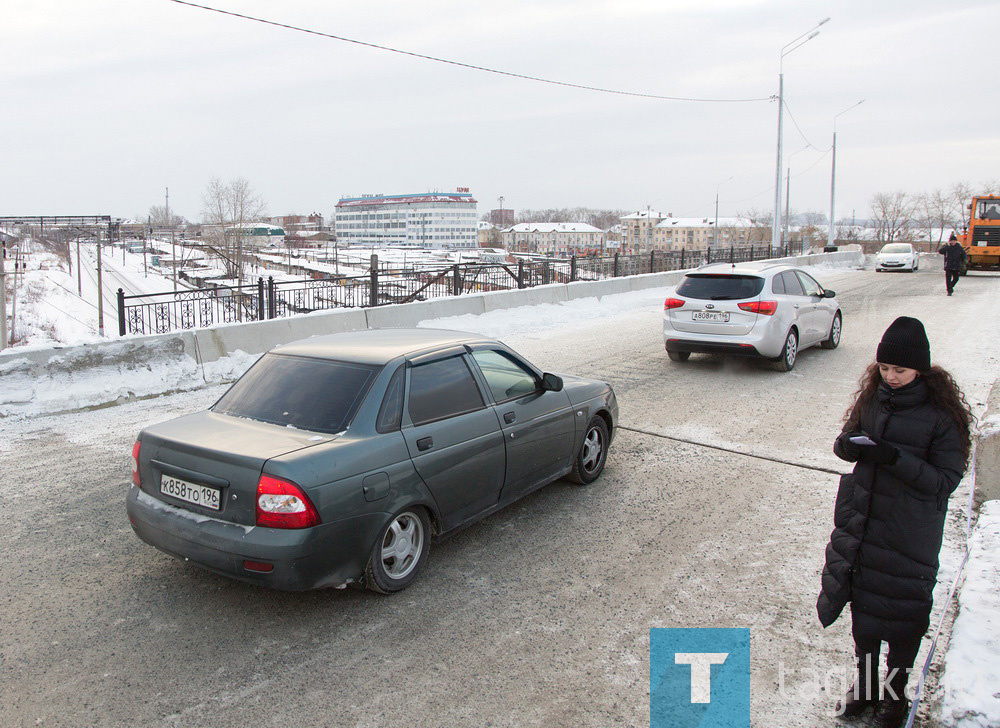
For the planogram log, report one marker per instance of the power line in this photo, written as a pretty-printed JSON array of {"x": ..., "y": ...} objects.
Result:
[{"x": 458, "y": 63}]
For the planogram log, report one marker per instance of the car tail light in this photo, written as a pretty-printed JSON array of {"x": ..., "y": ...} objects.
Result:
[
  {"x": 136, "y": 481},
  {"x": 672, "y": 303},
  {"x": 282, "y": 504},
  {"x": 764, "y": 308}
]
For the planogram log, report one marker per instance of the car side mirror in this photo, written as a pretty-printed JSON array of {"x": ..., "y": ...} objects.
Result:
[
  {"x": 552, "y": 383},
  {"x": 827, "y": 293}
]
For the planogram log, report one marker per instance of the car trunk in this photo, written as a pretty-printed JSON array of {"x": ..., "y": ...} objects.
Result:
[
  {"x": 724, "y": 318},
  {"x": 207, "y": 459}
]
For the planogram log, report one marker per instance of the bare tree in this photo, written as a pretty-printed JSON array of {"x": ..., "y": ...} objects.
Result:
[
  {"x": 159, "y": 216},
  {"x": 228, "y": 208},
  {"x": 892, "y": 215},
  {"x": 754, "y": 226}
]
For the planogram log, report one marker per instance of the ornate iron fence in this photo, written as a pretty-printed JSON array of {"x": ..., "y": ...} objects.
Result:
[{"x": 159, "y": 313}]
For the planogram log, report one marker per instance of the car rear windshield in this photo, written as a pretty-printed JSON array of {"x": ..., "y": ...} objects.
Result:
[
  {"x": 714, "y": 287},
  {"x": 896, "y": 248},
  {"x": 296, "y": 391}
]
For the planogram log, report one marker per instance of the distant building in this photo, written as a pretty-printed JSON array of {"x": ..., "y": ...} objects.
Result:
[
  {"x": 553, "y": 237},
  {"x": 637, "y": 229},
  {"x": 258, "y": 234},
  {"x": 689, "y": 233},
  {"x": 297, "y": 223},
  {"x": 430, "y": 220},
  {"x": 504, "y": 217}
]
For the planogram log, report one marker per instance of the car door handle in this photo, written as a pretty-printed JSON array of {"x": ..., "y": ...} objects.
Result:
[
  {"x": 509, "y": 417},
  {"x": 425, "y": 443}
]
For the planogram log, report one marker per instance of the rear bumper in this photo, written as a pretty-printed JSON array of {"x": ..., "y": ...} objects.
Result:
[
  {"x": 331, "y": 554},
  {"x": 708, "y": 347}
]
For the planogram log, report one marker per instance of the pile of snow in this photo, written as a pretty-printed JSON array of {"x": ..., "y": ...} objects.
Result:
[{"x": 971, "y": 682}]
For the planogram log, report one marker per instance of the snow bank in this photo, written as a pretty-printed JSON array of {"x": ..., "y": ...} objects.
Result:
[
  {"x": 971, "y": 682},
  {"x": 82, "y": 378}
]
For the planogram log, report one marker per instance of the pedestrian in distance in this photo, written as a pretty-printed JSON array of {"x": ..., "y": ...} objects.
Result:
[
  {"x": 908, "y": 431},
  {"x": 954, "y": 256}
]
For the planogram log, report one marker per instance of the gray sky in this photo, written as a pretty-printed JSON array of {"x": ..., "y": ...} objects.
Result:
[{"x": 107, "y": 102}]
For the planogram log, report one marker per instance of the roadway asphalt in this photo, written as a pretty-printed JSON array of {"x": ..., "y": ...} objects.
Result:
[{"x": 713, "y": 511}]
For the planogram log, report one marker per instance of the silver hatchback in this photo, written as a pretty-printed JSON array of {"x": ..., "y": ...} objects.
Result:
[{"x": 769, "y": 310}]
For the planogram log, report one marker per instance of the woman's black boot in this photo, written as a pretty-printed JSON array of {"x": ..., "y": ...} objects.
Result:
[
  {"x": 864, "y": 693},
  {"x": 894, "y": 708}
]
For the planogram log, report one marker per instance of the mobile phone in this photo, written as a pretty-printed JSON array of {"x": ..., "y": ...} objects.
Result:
[{"x": 862, "y": 440}]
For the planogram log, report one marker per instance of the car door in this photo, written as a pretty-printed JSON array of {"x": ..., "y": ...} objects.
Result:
[
  {"x": 800, "y": 304},
  {"x": 453, "y": 437},
  {"x": 538, "y": 425},
  {"x": 820, "y": 309}
]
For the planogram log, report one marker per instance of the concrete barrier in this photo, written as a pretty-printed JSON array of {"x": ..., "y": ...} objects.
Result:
[
  {"x": 988, "y": 451},
  {"x": 49, "y": 379}
]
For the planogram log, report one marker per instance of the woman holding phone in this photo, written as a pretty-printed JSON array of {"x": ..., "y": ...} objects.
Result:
[{"x": 909, "y": 433}]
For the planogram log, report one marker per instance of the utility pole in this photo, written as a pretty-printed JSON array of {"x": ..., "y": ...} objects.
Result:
[
  {"x": 100, "y": 290},
  {"x": 79, "y": 280},
  {"x": 173, "y": 249}
]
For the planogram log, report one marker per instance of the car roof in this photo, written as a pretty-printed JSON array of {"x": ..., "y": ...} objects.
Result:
[
  {"x": 760, "y": 267},
  {"x": 378, "y": 346}
]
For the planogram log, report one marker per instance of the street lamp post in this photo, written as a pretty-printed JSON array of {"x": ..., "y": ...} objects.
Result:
[
  {"x": 833, "y": 173},
  {"x": 715, "y": 232},
  {"x": 785, "y": 50}
]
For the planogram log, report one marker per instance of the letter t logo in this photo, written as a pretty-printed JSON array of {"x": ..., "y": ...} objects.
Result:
[{"x": 701, "y": 672}]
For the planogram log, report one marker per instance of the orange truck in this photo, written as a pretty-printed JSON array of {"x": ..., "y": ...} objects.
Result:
[{"x": 981, "y": 239}]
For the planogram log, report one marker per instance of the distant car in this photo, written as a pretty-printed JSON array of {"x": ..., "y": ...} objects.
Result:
[
  {"x": 897, "y": 256},
  {"x": 335, "y": 460},
  {"x": 767, "y": 310}
]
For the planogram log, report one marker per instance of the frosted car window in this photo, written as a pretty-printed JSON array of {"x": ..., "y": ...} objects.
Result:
[
  {"x": 714, "y": 287},
  {"x": 442, "y": 388},
  {"x": 507, "y": 378},
  {"x": 310, "y": 394}
]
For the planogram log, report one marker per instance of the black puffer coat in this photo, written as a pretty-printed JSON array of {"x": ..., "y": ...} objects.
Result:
[{"x": 889, "y": 519}]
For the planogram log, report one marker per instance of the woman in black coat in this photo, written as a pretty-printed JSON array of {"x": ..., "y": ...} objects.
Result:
[{"x": 909, "y": 433}]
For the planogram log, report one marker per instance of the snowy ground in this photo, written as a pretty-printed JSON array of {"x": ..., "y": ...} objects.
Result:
[{"x": 49, "y": 312}]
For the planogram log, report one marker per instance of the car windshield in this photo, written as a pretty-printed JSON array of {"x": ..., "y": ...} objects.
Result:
[
  {"x": 715, "y": 287},
  {"x": 294, "y": 391},
  {"x": 896, "y": 248}
]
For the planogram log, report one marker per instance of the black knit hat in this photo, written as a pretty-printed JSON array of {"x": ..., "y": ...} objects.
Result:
[{"x": 904, "y": 344}]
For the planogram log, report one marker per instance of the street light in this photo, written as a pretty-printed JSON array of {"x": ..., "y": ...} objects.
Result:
[
  {"x": 715, "y": 233},
  {"x": 785, "y": 50},
  {"x": 833, "y": 172}
]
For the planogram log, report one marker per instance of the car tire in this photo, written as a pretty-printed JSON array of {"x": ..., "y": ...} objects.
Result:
[
  {"x": 678, "y": 355},
  {"x": 789, "y": 352},
  {"x": 593, "y": 452},
  {"x": 399, "y": 552},
  {"x": 836, "y": 328}
]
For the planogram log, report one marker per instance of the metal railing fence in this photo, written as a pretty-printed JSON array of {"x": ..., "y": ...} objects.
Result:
[{"x": 386, "y": 284}]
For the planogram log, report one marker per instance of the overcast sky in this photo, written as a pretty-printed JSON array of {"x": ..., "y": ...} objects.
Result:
[{"x": 108, "y": 102}]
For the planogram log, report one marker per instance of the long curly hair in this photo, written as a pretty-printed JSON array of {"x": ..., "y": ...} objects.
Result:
[{"x": 944, "y": 392}]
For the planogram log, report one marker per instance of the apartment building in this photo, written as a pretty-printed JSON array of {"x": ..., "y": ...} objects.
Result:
[
  {"x": 554, "y": 237},
  {"x": 690, "y": 233},
  {"x": 429, "y": 220}
]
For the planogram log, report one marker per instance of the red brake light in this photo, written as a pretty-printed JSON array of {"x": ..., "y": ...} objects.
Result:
[
  {"x": 135, "y": 465},
  {"x": 282, "y": 504},
  {"x": 764, "y": 308},
  {"x": 672, "y": 303}
]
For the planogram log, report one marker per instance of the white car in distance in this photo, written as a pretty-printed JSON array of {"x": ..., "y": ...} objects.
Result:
[{"x": 897, "y": 256}]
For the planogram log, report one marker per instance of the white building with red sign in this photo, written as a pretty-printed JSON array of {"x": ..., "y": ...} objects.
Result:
[{"x": 427, "y": 220}]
